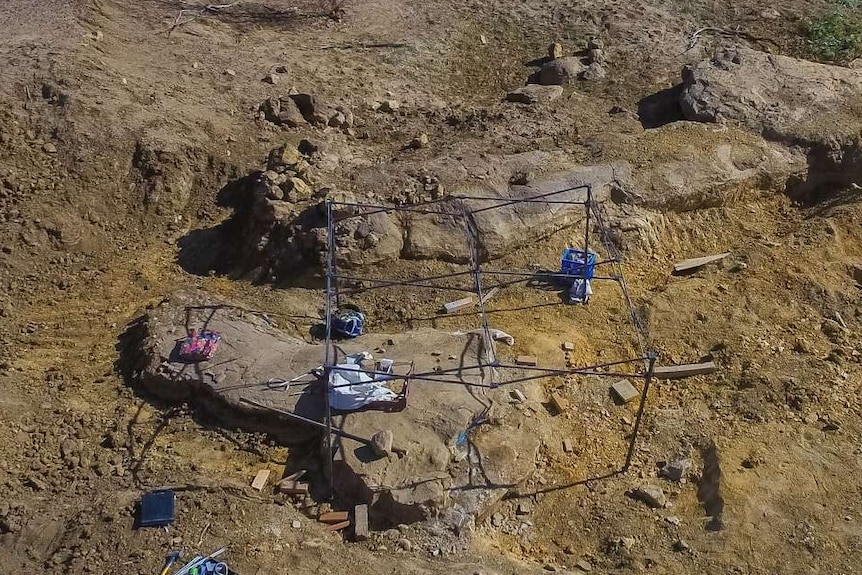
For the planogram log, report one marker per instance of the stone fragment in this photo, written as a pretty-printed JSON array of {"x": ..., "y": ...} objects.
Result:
[
  {"x": 676, "y": 470},
  {"x": 651, "y": 495},
  {"x": 555, "y": 51},
  {"x": 534, "y": 94},
  {"x": 381, "y": 442},
  {"x": 624, "y": 391}
]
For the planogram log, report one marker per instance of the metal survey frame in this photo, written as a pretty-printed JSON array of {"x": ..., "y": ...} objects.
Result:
[{"x": 456, "y": 206}]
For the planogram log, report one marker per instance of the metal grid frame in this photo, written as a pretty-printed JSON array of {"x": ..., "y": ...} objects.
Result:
[{"x": 456, "y": 206}]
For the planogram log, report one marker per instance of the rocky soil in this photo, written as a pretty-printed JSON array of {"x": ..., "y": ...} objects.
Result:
[{"x": 145, "y": 156}]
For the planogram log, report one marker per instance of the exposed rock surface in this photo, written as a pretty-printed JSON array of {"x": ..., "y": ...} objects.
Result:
[
  {"x": 281, "y": 229},
  {"x": 254, "y": 358},
  {"x": 796, "y": 102},
  {"x": 560, "y": 71},
  {"x": 534, "y": 94},
  {"x": 782, "y": 97}
]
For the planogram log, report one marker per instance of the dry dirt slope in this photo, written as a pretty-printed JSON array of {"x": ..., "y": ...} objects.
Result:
[{"x": 82, "y": 253}]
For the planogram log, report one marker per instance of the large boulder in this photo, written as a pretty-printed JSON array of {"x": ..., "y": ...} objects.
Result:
[
  {"x": 560, "y": 71},
  {"x": 813, "y": 106},
  {"x": 781, "y": 97}
]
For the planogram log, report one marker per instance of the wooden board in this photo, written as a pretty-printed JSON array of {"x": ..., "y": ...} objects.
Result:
[
  {"x": 527, "y": 360},
  {"x": 260, "y": 479},
  {"x": 458, "y": 305},
  {"x": 489, "y": 294},
  {"x": 688, "y": 370},
  {"x": 293, "y": 487},
  {"x": 360, "y": 522},
  {"x": 333, "y": 517},
  {"x": 559, "y": 402},
  {"x": 693, "y": 263},
  {"x": 338, "y": 526},
  {"x": 624, "y": 391}
]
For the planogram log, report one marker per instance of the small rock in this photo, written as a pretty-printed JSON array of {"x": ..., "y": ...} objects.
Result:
[
  {"x": 271, "y": 79},
  {"x": 524, "y": 508},
  {"x": 593, "y": 72},
  {"x": 770, "y": 14},
  {"x": 681, "y": 546},
  {"x": 497, "y": 519},
  {"x": 389, "y": 105},
  {"x": 555, "y": 51},
  {"x": 584, "y": 565},
  {"x": 420, "y": 141},
  {"x": 676, "y": 470},
  {"x": 50, "y": 148},
  {"x": 651, "y": 495},
  {"x": 230, "y": 72},
  {"x": 297, "y": 524},
  {"x": 596, "y": 56},
  {"x": 404, "y": 544},
  {"x": 673, "y": 520},
  {"x": 534, "y": 94},
  {"x": 381, "y": 442},
  {"x": 627, "y": 542}
]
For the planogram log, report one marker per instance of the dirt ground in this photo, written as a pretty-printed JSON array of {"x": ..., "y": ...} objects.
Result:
[{"x": 89, "y": 238}]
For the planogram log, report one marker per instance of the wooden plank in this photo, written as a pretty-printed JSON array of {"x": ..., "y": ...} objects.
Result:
[
  {"x": 458, "y": 305},
  {"x": 624, "y": 391},
  {"x": 527, "y": 360},
  {"x": 688, "y": 370},
  {"x": 693, "y": 263},
  {"x": 338, "y": 526},
  {"x": 360, "y": 522},
  {"x": 293, "y": 487},
  {"x": 260, "y": 479},
  {"x": 489, "y": 294},
  {"x": 333, "y": 517},
  {"x": 559, "y": 402},
  {"x": 293, "y": 476}
]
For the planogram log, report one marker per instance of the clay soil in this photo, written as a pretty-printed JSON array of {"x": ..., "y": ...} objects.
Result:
[{"x": 87, "y": 245}]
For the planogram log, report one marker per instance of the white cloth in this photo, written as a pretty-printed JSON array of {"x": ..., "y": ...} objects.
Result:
[
  {"x": 497, "y": 334},
  {"x": 350, "y": 388}
]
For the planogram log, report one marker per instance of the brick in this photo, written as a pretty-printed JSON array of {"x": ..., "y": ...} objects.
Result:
[
  {"x": 527, "y": 360},
  {"x": 333, "y": 517},
  {"x": 624, "y": 391},
  {"x": 567, "y": 446},
  {"x": 559, "y": 402},
  {"x": 360, "y": 522},
  {"x": 260, "y": 479}
]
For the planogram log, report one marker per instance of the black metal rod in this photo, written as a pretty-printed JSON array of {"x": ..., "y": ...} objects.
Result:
[
  {"x": 319, "y": 424},
  {"x": 329, "y": 352},
  {"x": 473, "y": 246},
  {"x": 647, "y": 380},
  {"x": 520, "y": 200}
]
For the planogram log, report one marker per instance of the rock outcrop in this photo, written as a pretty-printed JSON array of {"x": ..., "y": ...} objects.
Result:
[
  {"x": 816, "y": 107},
  {"x": 437, "y": 456}
]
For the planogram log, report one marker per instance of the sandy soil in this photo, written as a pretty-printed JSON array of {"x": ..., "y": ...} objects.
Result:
[{"x": 86, "y": 248}]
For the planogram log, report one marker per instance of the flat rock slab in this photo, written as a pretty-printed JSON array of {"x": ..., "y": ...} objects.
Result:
[
  {"x": 250, "y": 354},
  {"x": 443, "y": 451}
]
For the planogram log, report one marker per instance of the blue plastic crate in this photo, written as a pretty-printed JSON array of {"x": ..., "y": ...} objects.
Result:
[{"x": 572, "y": 263}]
